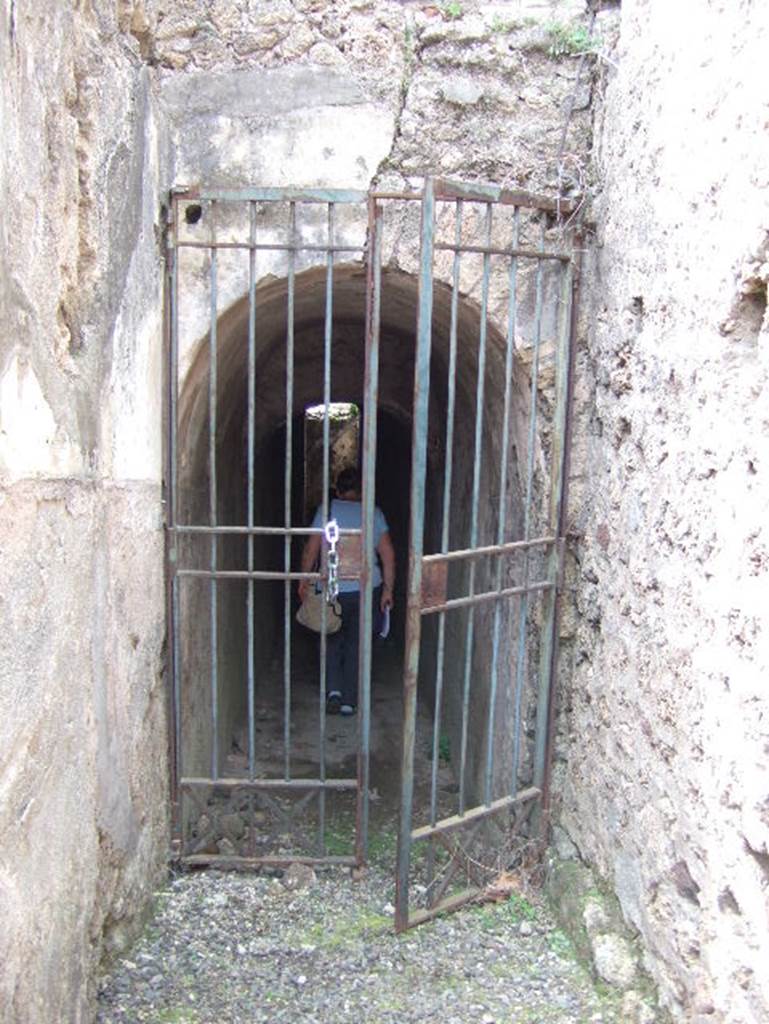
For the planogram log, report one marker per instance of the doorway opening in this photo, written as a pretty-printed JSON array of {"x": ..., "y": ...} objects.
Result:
[{"x": 450, "y": 442}]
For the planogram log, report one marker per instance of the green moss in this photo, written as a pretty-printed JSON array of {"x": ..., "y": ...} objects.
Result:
[
  {"x": 569, "y": 40},
  {"x": 175, "y": 1015},
  {"x": 559, "y": 943},
  {"x": 452, "y": 10},
  {"x": 502, "y": 26}
]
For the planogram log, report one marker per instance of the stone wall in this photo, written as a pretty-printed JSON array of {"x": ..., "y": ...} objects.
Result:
[
  {"x": 665, "y": 787},
  {"x": 83, "y": 770}
]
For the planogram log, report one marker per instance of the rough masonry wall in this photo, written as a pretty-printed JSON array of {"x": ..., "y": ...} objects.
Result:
[
  {"x": 83, "y": 790},
  {"x": 666, "y": 782}
]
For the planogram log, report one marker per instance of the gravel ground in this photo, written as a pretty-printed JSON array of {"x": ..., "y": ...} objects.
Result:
[{"x": 240, "y": 949}]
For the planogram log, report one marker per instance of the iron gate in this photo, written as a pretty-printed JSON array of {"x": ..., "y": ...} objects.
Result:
[
  {"x": 483, "y": 575},
  {"x": 514, "y": 569},
  {"x": 260, "y": 812}
]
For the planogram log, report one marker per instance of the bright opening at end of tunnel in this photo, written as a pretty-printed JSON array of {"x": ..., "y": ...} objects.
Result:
[{"x": 336, "y": 411}]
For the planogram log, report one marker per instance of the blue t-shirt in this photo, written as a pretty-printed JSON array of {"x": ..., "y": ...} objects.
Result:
[{"x": 348, "y": 515}]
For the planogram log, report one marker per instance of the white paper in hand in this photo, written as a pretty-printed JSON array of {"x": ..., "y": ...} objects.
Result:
[{"x": 384, "y": 632}]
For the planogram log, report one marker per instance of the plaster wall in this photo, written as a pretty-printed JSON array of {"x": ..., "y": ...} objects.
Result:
[
  {"x": 83, "y": 777},
  {"x": 665, "y": 785}
]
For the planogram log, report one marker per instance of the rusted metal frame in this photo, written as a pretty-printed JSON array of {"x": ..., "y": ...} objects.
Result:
[
  {"x": 185, "y": 193},
  {"x": 265, "y": 531},
  {"x": 416, "y": 196},
  {"x": 413, "y": 618},
  {"x": 475, "y": 814},
  {"x": 524, "y": 605},
  {"x": 444, "y": 189},
  {"x": 554, "y": 514},
  {"x": 546, "y": 770},
  {"x": 447, "y": 906},
  {"x": 198, "y": 801},
  {"x": 268, "y": 784},
  {"x": 458, "y": 860},
  {"x": 445, "y": 525},
  {"x": 486, "y": 250},
  {"x": 488, "y": 595},
  {"x": 477, "y": 460},
  {"x": 171, "y": 365},
  {"x": 224, "y": 862},
  {"x": 450, "y": 189},
  {"x": 459, "y": 854},
  {"x": 366, "y": 618},
  {"x": 327, "y": 340},
  {"x": 250, "y": 456},
  {"x": 287, "y": 497},
  {"x": 502, "y": 507},
  {"x": 489, "y": 549},
  {"x": 213, "y": 498},
  {"x": 274, "y": 247},
  {"x": 244, "y": 574},
  {"x": 287, "y": 817}
]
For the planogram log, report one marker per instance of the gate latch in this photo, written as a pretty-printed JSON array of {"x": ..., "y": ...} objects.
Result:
[{"x": 331, "y": 532}]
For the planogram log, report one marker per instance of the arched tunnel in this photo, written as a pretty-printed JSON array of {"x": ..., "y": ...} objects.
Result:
[{"x": 230, "y": 448}]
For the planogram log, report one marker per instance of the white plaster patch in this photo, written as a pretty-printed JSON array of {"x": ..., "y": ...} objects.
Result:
[
  {"x": 133, "y": 413},
  {"x": 31, "y": 444}
]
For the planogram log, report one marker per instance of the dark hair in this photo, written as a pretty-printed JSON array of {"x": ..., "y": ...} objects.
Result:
[{"x": 348, "y": 481}]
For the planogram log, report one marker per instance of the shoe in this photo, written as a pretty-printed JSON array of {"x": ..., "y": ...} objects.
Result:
[
  {"x": 333, "y": 703},
  {"x": 347, "y": 709}
]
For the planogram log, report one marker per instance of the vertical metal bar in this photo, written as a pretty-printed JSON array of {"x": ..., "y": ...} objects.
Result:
[
  {"x": 251, "y": 385},
  {"x": 478, "y": 455},
  {"x": 371, "y": 390},
  {"x": 327, "y": 338},
  {"x": 287, "y": 494},
  {"x": 557, "y": 519},
  {"x": 417, "y": 511},
  {"x": 524, "y": 602},
  {"x": 212, "y": 500},
  {"x": 177, "y": 696},
  {"x": 562, "y": 526},
  {"x": 172, "y": 513},
  {"x": 502, "y": 507},
  {"x": 446, "y": 511}
]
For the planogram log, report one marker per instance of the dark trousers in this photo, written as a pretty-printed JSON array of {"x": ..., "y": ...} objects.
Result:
[{"x": 342, "y": 647}]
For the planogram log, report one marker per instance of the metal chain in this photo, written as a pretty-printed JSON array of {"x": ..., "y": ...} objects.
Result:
[{"x": 332, "y": 560}]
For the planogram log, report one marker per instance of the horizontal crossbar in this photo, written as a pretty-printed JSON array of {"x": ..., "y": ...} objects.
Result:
[
  {"x": 298, "y": 784},
  {"x": 445, "y": 906},
  {"x": 266, "y": 531},
  {"x": 475, "y": 814},
  {"x": 446, "y": 189},
  {"x": 490, "y": 549},
  {"x": 272, "y": 195},
  {"x": 244, "y": 863},
  {"x": 486, "y": 596},
  {"x": 484, "y": 250},
  {"x": 271, "y": 247}
]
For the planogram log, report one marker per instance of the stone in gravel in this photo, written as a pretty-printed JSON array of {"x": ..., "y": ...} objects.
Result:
[
  {"x": 526, "y": 928},
  {"x": 614, "y": 960},
  {"x": 233, "y": 825},
  {"x": 299, "y": 876}
]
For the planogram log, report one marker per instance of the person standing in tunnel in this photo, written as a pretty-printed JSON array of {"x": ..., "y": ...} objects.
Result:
[{"x": 342, "y": 646}]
